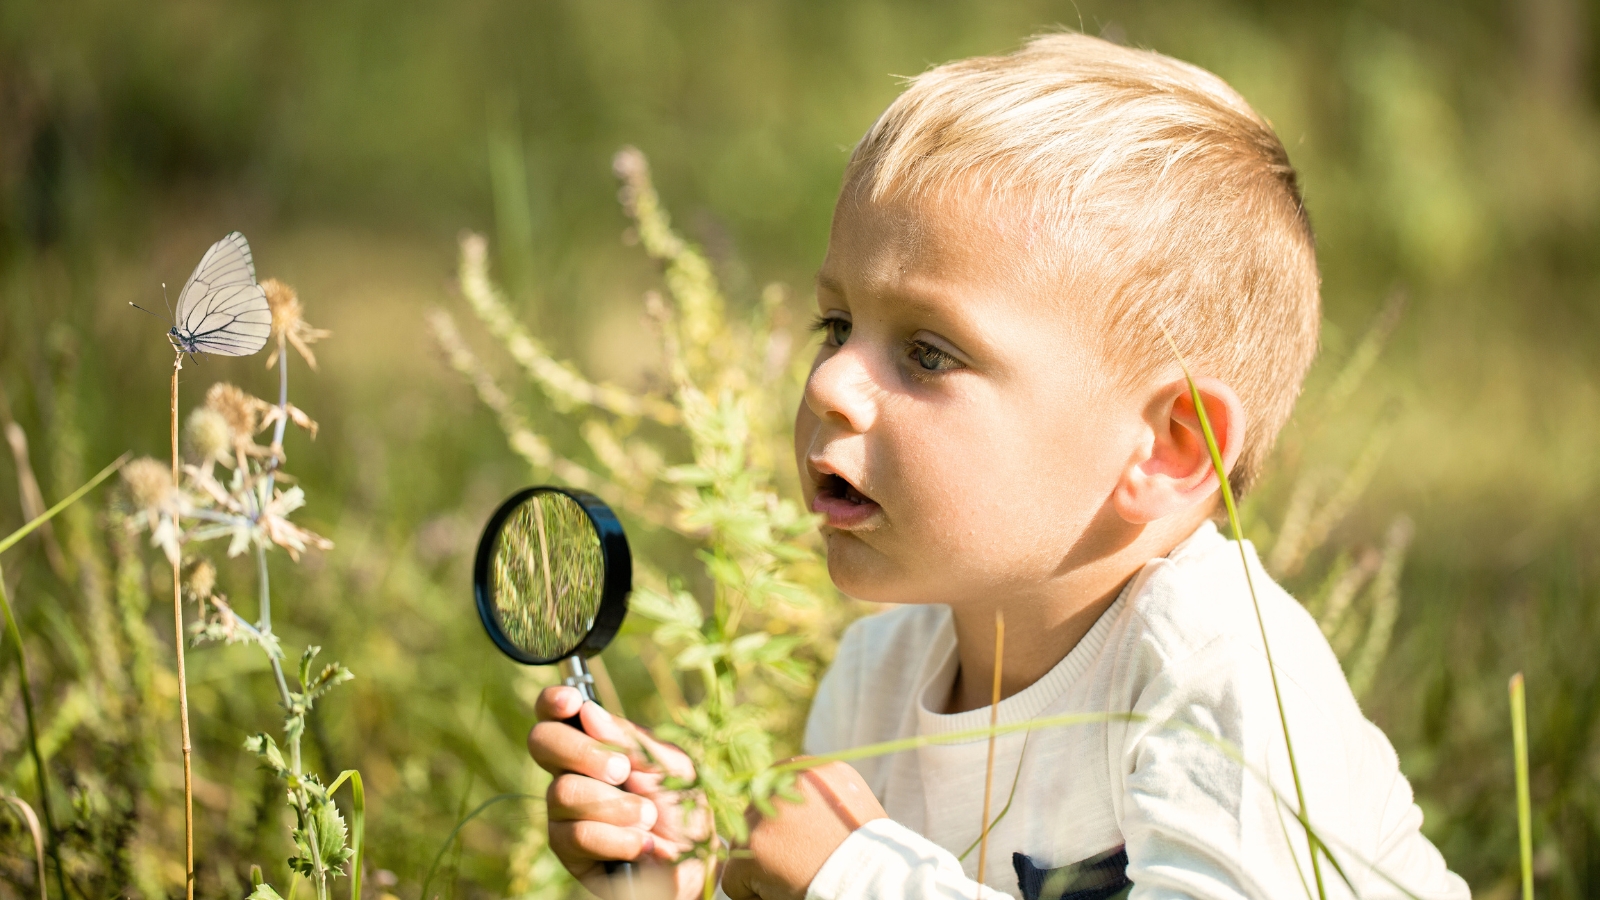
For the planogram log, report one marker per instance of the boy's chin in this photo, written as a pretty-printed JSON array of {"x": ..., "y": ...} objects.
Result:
[{"x": 861, "y": 571}]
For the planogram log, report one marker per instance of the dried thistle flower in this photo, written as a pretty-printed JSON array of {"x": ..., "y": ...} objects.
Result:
[
  {"x": 244, "y": 414},
  {"x": 294, "y": 414},
  {"x": 149, "y": 482},
  {"x": 289, "y": 324},
  {"x": 242, "y": 411},
  {"x": 210, "y": 436},
  {"x": 159, "y": 501},
  {"x": 275, "y": 524},
  {"x": 202, "y": 580}
]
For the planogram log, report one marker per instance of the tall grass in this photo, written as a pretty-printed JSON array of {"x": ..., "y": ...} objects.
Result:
[{"x": 40, "y": 773}]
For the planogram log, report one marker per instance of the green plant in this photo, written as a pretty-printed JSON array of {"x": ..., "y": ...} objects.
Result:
[
  {"x": 748, "y": 643},
  {"x": 249, "y": 508}
]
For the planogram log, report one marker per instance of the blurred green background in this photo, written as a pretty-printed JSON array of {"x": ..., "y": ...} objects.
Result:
[{"x": 1450, "y": 153}]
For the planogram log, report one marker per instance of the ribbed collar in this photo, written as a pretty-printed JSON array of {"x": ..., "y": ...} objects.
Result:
[{"x": 939, "y": 666}]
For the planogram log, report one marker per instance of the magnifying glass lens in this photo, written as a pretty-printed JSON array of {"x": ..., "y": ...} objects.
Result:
[{"x": 549, "y": 574}]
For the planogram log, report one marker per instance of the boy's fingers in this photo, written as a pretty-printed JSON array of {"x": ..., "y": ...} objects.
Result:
[
  {"x": 582, "y": 840},
  {"x": 559, "y": 748},
  {"x": 644, "y": 750},
  {"x": 666, "y": 757},
  {"x": 557, "y": 703},
  {"x": 574, "y": 797}
]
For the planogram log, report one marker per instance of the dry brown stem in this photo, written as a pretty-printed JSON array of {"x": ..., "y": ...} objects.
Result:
[
  {"x": 183, "y": 683},
  {"x": 994, "y": 721}
]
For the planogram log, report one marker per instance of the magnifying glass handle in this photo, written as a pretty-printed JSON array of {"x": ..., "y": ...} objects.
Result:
[{"x": 575, "y": 674}]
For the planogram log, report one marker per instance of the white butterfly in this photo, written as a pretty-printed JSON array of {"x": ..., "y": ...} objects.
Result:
[{"x": 222, "y": 310}]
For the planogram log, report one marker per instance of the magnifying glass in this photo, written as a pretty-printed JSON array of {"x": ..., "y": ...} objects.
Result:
[{"x": 551, "y": 578}]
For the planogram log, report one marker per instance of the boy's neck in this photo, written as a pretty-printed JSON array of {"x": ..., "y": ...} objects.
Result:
[{"x": 1041, "y": 629}]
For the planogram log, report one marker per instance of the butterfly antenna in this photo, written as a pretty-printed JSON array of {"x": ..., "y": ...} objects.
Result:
[
  {"x": 142, "y": 309},
  {"x": 167, "y": 300}
]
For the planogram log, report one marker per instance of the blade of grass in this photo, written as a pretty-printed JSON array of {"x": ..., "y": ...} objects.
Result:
[
  {"x": 1519, "y": 748},
  {"x": 11, "y": 539},
  {"x": 1238, "y": 538},
  {"x": 1015, "y": 780},
  {"x": 449, "y": 841},
  {"x": 25, "y": 812},
  {"x": 994, "y": 719},
  {"x": 358, "y": 824}
]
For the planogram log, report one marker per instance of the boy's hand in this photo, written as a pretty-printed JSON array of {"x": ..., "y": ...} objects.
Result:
[
  {"x": 609, "y": 805},
  {"x": 788, "y": 849}
]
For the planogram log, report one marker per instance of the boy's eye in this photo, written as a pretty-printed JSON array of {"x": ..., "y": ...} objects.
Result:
[
  {"x": 835, "y": 330},
  {"x": 931, "y": 358}
]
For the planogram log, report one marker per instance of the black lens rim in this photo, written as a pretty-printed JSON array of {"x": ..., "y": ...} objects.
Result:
[{"x": 617, "y": 573}]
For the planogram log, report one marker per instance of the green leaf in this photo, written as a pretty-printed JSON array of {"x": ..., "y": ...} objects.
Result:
[
  {"x": 358, "y": 824},
  {"x": 745, "y": 647},
  {"x": 267, "y": 751},
  {"x": 332, "y": 835},
  {"x": 305, "y": 665},
  {"x": 264, "y": 891},
  {"x": 698, "y": 655},
  {"x": 331, "y": 676}
]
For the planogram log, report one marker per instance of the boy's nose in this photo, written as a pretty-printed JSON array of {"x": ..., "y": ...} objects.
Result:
[{"x": 841, "y": 390}]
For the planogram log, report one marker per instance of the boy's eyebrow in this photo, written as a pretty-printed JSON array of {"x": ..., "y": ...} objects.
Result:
[{"x": 826, "y": 282}]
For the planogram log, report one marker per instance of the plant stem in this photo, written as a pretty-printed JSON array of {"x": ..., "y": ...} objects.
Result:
[
  {"x": 33, "y": 740},
  {"x": 1519, "y": 748},
  {"x": 283, "y": 417},
  {"x": 994, "y": 721},
  {"x": 183, "y": 685},
  {"x": 265, "y": 623}
]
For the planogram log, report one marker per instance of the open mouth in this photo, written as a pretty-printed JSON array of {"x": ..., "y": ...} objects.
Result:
[
  {"x": 836, "y": 488},
  {"x": 842, "y": 505}
]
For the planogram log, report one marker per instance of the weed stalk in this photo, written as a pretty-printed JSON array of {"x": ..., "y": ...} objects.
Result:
[
  {"x": 183, "y": 683},
  {"x": 994, "y": 722}
]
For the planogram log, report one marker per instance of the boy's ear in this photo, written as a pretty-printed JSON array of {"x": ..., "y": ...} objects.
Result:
[{"x": 1173, "y": 473}]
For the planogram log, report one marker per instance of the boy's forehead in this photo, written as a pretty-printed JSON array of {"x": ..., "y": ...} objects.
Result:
[{"x": 911, "y": 245}]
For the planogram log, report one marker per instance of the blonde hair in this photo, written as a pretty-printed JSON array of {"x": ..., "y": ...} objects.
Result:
[{"x": 1161, "y": 195}]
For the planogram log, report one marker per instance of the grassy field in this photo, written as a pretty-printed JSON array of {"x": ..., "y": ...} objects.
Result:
[{"x": 1452, "y": 160}]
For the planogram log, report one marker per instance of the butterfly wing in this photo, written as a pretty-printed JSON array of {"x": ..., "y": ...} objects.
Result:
[{"x": 221, "y": 309}]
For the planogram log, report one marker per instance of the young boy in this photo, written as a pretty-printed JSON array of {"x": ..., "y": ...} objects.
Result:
[{"x": 996, "y": 423}]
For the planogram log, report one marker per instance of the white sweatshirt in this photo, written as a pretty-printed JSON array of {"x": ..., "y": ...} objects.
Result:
[{"x": 1181, "y": 649}]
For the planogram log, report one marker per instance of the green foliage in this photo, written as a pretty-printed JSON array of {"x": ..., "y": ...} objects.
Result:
[{"x": 749, "y": 647}]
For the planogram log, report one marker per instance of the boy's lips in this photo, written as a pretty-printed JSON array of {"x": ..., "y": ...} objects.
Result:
[{"x": 841, "y": 503}]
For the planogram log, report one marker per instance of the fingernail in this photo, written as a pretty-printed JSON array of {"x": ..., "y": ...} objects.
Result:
[
  {"x": 647, "y": 815},
  {"x": 617, "y": 769}
]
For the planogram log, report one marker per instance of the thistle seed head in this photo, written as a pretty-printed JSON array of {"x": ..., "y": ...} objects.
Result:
[
  {"x": 202, "y": 580},
  {"x": 288, "y": 322},
  {"x": 239, "y": 410},
  {"x": 210, "y": 436},
  {"x": 149, "y": 482},
  {"x": 285, "y": 305}
]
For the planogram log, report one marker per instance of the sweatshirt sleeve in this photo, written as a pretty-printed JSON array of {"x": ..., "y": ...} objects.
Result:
[{"x": 884, "y": 860}]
